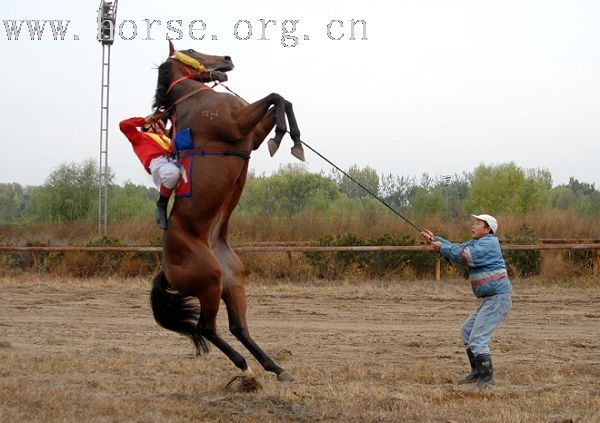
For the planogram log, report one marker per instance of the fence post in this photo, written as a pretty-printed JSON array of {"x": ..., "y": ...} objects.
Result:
[
  {"x": 595, "y": 262},
  {"x": 289, "y": 254},
  {"x": 33, "y": 261},
  {"x": 438, "y": 267}
]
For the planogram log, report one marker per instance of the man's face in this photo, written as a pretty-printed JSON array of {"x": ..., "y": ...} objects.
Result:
[{"x": 479, "y": 229}]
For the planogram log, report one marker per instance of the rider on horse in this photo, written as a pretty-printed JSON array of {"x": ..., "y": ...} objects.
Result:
[{"x": 153, "y": 147}]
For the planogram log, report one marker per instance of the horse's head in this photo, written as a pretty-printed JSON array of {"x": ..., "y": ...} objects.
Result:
[
  {"x": 180, "y": 63},
  {"x": 211, "y": 68}
]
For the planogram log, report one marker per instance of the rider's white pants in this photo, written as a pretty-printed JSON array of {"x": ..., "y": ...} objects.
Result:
[{"x": 164, "y": 172}]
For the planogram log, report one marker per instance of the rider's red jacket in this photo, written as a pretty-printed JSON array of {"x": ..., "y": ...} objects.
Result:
[{"x": 146, "y": 145}]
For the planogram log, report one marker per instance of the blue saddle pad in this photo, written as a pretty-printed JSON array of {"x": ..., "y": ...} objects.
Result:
[{"x": 183, "y": 139}]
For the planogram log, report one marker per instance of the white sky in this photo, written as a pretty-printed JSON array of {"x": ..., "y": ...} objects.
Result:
[{"x": 438, "y": 86}]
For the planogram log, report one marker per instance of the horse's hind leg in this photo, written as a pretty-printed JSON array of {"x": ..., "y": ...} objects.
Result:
[
  {"x": 201, "y": 278},
  {"x": 210, "y": 299},
  {"x": 234, "y": 297},
  {"x": 207, "y": 327},
  {"x": 236, "y": 310},
  {"x": 280, "y": 125}
]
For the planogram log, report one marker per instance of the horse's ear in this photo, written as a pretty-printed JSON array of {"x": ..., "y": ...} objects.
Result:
[{"x": 171, "y": 48}]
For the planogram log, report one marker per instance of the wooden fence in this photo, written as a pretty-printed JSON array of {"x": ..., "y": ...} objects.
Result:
[{"x": 302, "y": 247}]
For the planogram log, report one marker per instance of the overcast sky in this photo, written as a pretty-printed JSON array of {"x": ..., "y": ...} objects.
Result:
[{"x": 438, "y": 86}]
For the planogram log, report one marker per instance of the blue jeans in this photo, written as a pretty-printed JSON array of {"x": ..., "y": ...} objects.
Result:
[{"x": 477, "y": 330}]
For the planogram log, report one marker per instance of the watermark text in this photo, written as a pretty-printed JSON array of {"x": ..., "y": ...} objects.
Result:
[{"x": 287, "y": 32}]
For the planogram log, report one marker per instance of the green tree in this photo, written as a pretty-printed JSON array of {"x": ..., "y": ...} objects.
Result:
[
  {"x": 13, "y": 199},
  {"x": 508, "y": 188},
  {"x": 456, "y": 193},
  {"x": 397, "y": 190},
  {"x": 289, "y": 191},
  {"x": 428, "y": 201},
  {"x": 578, "y": 196},
  {"x": 367, "y": 176},
  {"x": 441, "y": 195},
  {"x": 561, "y": 197},
  {"x": 69, "y": 193},
  {"x": 131, "y": 201}
]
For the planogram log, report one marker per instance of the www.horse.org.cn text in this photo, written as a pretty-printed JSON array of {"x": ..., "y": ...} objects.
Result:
[{"x": 287, "y": 32}]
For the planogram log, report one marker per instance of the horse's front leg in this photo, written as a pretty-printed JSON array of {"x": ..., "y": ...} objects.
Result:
[
  {"x": 266, "y": 125},
  {"x": 297, "y": 150},
  {"x": 261, "y": 117},
  {"x": 250, "y": 116}
]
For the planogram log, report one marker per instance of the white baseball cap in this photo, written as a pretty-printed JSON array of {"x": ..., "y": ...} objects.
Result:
[{"x": 490, "y": 220}]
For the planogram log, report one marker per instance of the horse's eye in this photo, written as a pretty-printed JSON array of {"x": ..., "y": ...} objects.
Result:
[{"x": 191, "y": 50}]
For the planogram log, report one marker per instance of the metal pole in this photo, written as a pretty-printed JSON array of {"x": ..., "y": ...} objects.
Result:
[
  {"x": 103, "y": 166},
  {"x": 107, "y": 14}
]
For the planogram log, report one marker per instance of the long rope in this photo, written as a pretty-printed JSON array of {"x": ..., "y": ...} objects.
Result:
[
  {"x": 396, "y": 212},
  {"x": 418, "y": 228}
]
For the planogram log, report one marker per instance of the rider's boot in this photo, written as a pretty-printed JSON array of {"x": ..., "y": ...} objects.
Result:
[{"x": 161, "y": 207}]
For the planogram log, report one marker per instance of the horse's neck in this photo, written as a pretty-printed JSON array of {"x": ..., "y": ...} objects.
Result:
[
  {"x": 186, "y": 108},
  {"x": 186, "y": 87}
]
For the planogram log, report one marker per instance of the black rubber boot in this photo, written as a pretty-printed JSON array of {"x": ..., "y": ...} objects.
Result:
[
  {"x": 486, "y": 371},
  {"x": 161, "y": 212},
  {"x": 474, "y": 375}
]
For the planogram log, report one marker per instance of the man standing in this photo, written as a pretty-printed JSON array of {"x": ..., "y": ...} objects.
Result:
[{"x": 489, "y": 281}]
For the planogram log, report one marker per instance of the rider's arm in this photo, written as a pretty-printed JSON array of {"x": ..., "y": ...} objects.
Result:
[{"x": 130, "y": 126}]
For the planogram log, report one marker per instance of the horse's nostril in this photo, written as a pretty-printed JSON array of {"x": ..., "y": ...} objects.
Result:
[{"x": 227, "y": 58}]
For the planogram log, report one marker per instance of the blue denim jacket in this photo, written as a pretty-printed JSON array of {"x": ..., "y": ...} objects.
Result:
[{"x": 487, "y": 270}]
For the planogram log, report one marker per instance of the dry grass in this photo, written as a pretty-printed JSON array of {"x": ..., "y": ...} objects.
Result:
[
  {"x": 305, "y": 227},
  {"x": 88, "y": 350},
  {"x": 308, "y": 227}
]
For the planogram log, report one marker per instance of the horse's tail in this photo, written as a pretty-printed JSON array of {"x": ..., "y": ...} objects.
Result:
[{"x": 177, "y": 312}]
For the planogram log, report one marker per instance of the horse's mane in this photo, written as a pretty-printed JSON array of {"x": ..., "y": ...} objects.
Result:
[{"x": 161, "y": 97}]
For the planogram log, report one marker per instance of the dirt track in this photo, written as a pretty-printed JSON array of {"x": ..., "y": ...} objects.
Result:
[{"x": 90, "y": 351}]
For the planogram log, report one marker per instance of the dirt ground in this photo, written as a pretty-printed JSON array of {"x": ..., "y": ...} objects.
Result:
[{"x": 73, "y": 350}]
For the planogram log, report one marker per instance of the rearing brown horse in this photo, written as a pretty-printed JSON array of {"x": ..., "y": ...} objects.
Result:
[{"x": 197, "y": 260}]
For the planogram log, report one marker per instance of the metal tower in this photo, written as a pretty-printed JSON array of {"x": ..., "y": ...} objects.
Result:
[{"x": 107, "y": 15}]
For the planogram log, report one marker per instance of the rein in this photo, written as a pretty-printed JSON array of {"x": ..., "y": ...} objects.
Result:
[
  {"x": 187, "y": 62},
  {"x": 207, "y": 152},
  {"x": 179, "y": 100},
  {"x": 190, "y": 75}
]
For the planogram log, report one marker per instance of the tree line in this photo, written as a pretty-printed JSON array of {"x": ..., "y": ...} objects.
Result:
[{"x": 70, "y": 193}]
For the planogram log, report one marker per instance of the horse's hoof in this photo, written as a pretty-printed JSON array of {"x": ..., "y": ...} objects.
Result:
[
  {"x": 298, "y": 152},
  {"x": 244, "y": 384},
  {"x": 273, "y": 146},
  {"x": 285, "y": 377}
]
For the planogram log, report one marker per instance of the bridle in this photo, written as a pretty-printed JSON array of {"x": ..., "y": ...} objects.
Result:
[{"x": 187, "y": 62}]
